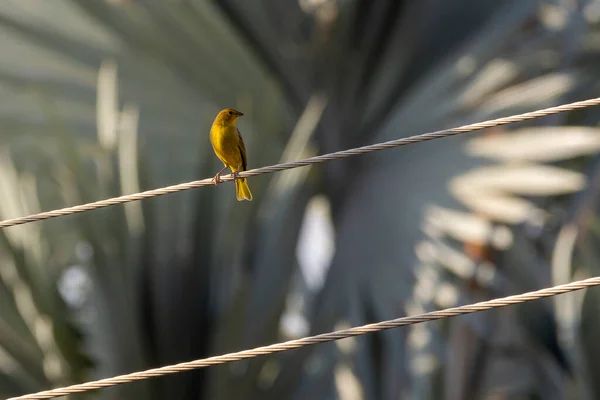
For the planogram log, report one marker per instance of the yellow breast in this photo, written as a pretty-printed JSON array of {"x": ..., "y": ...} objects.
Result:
[{"x": 225, "y": 142}]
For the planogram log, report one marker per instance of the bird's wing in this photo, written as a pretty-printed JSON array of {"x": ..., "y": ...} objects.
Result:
[{"x": 242, "y": 148}]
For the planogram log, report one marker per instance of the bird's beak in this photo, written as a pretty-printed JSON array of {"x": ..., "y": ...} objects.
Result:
[{"x": 240, "y": 114}]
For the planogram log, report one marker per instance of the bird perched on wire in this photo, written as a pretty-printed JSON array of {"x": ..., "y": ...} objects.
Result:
[{"x": 229, "y": 146}]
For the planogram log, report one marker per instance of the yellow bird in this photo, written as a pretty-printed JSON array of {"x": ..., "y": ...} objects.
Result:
[{"x": 229, "y": 146}]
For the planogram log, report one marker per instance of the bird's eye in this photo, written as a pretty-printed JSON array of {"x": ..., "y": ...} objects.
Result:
[{"x": 230, "y": 113}]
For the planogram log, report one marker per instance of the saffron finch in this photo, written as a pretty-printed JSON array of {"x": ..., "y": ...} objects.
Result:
[{"x": 229, "y": 146}]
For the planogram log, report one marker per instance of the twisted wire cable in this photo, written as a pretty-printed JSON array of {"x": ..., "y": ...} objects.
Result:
[
  {"x": 302, "y": 163},
  {"x": 312, "y": 340}
]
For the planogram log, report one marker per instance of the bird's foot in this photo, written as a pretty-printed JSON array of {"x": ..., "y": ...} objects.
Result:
[{"x": 217, "y": 178}]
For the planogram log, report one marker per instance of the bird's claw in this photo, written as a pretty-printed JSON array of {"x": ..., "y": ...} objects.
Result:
[{"x": 217, "y": 180}]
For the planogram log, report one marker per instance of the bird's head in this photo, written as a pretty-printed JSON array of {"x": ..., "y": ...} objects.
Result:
[{"x": 228, "y": 116}]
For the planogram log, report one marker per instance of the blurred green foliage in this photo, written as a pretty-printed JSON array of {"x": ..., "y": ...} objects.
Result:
[{"x": 101, "y": 98}]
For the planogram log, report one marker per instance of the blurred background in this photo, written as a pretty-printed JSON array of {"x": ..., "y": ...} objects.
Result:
[{"x": 100, "y": 98}]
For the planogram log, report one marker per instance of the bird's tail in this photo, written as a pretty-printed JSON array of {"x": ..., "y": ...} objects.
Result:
[{"x": 242, "y": 191}]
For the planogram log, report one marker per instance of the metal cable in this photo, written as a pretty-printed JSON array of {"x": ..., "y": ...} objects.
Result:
[
  {"x": 301, "y": 163},
  {"x": 308, "y": 341}
]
